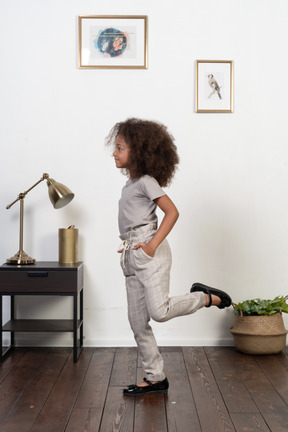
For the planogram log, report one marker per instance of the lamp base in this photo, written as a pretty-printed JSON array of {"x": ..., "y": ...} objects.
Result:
[{"x": 20, "y": 258}]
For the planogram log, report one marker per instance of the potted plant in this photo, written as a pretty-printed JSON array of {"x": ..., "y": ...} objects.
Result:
[{"x": 259, "y": 327}]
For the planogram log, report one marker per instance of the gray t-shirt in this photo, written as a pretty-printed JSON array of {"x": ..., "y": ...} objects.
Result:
[{"x": 136, "y": 205}]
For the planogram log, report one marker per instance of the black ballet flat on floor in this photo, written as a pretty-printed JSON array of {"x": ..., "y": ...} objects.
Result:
[
  {"x": 225, "y": 298},
  {"x": 159, "y": 387}
]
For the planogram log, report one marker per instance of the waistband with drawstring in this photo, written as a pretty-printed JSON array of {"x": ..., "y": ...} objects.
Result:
[
  {"x": 131, "y": 235},
  {"x": 124, "y": 246}
]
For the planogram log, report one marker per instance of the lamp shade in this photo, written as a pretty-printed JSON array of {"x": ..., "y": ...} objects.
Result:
[{"x": 59, "y": 194}]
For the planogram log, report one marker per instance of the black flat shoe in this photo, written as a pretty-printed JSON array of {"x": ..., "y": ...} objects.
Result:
[
  {"x": 225, "y": 298},
  {"x": 159, "y": 387}
]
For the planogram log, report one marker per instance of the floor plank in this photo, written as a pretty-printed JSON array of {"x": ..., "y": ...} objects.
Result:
[
  {"x": 93, "y": 391},
  {"x": 29, "y": 404},
  {"x": 10, "y": 362},
  {"x": 211, "y": 408},
  {"x": 276, "y": 373},
  {"x": 212, "y": 389},
  {"x": 249, "y": 422},
  {"x": 18, "y": 380},
  {"x": 118, "y": 414},
  {"x": 125, "y": 367},
  {"x": 150, "y": 414},
  {"x": 180, "y": 405},
  {"x": 84, "y": 420},
  {"x": 249, "y": 370},
  {"x": 57, "y": 409},
  {"x": 272, "y": 408},
  {"x": 234, "y": 392}
]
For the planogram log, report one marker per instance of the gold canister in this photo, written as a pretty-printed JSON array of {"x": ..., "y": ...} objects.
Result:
[{"x": 68, "y": 245}]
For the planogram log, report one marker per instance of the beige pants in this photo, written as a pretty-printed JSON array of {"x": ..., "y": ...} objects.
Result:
[{"x": 147, "y": 285}]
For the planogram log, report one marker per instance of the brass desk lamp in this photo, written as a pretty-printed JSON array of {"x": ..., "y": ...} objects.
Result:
[{"x": 59, "y": 196}]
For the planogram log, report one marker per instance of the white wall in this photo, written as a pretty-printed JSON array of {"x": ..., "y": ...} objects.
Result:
[{"x": 232, "y": 185}]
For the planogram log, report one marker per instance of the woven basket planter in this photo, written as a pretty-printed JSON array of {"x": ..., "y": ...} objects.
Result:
[{"x": 262, "y": 334}]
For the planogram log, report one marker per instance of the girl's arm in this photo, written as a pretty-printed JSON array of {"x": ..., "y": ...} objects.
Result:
[{"x": 171, "y": 215}]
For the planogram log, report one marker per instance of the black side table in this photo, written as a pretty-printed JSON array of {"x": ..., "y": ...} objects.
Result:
[{"x": 39, "y": 279}]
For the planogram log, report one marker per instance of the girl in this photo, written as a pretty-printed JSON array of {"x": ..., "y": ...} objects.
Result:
[{"x": 146, "y": 153}]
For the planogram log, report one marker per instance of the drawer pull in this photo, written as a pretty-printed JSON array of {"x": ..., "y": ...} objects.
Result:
[{"x": 37, "y": 274}]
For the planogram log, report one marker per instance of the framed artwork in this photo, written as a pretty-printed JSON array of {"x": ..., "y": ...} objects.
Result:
[
  {"x": 111, "y": 42},
  {"x": 214, "y": 86}
]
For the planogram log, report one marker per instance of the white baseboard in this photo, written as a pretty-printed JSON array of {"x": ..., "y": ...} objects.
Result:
[
  {"x": 178, "y": 342},
  {"x": 68, "y": 342}
]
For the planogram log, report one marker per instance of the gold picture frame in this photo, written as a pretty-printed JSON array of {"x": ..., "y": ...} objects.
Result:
[
  {"x": 214, "y": 86},
  {"x": 112, "y": 42}
]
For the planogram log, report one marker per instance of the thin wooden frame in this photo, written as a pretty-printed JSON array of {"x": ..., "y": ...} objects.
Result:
[
  {"x": 214, "y": 86},
  {"x": 112, "y": 42}
]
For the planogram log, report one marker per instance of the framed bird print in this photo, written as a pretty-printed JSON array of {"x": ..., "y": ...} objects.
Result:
[
  {"x": 111, "y": 42},
  {"x": 214, "y": 86}
]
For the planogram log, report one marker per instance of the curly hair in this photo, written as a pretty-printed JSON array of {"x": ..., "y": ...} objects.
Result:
[{"x": 152, "y": 149}]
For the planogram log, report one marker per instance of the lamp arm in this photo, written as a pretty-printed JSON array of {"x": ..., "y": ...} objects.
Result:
[{"x": 22, "y": 195}]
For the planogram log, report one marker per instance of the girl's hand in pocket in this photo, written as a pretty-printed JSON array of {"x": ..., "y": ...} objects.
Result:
[{"x": 146, "y": 248}]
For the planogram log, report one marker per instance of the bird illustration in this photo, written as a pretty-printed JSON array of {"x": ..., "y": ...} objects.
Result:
[{"x": 214, "y": 85}]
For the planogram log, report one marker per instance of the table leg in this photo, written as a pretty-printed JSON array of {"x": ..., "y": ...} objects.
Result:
[
  {"x": 81, "y": 318},
  {"x": 12, "y": 315},
  {"x": 1, "y": 322},
  {"x": 4, "y": 350},
  {"x": 75, "y": 316}
]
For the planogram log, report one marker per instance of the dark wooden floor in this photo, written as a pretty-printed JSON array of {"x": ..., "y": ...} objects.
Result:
[{"x": 211, "y": 389}]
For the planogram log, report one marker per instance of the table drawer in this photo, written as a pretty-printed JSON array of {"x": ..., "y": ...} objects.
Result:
[{"x": 39, "y": 281}]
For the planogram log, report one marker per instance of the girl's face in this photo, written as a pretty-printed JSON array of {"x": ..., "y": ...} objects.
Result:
[{"x": 121, "y": 153}]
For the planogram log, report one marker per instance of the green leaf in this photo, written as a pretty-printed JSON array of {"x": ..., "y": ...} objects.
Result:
[{"x": 261, "y": 307}]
